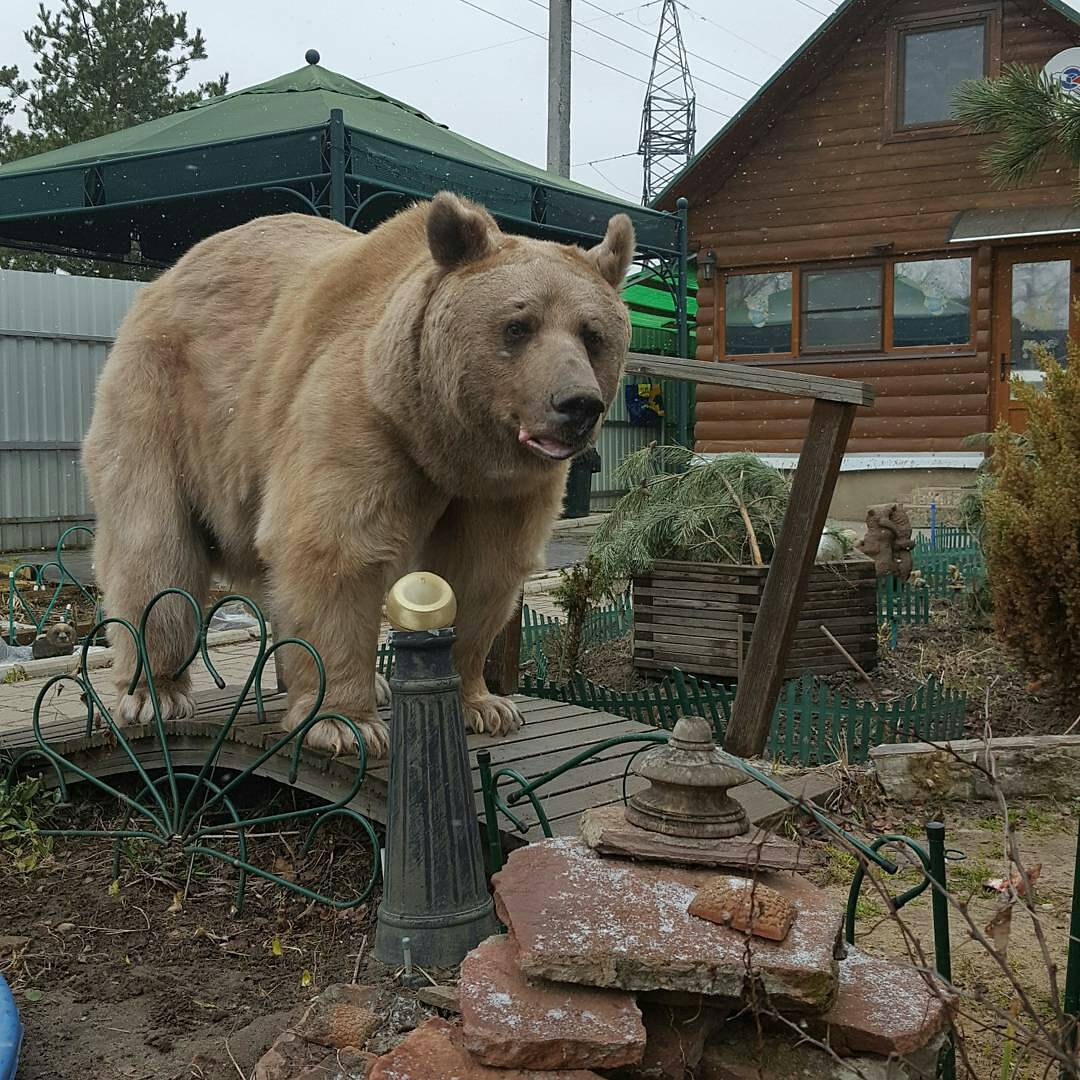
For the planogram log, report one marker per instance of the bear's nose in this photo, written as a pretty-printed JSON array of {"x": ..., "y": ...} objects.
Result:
[{"x": 578, "y": 412}]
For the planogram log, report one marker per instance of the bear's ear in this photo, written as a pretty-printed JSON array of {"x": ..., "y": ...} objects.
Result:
[
  {"x": 458, "y": 232},
  {"x": 612, "y": 256}
]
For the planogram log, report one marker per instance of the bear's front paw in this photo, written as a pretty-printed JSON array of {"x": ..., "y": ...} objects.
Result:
[
  {"x": 491, "y": 715},
  {"x": 174, "y": 703},
  {"x": 337, "y": 738}
]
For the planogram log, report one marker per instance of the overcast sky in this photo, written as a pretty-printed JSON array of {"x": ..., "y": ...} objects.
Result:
[
  {"x": 484, "y": 72},
  {"x": 496, "y": 92}
]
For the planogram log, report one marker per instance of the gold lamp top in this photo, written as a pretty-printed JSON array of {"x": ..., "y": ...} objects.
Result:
[{"x": 421, "y": 601}]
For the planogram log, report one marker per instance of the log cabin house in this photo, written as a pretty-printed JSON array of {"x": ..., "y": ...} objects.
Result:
[{"x": 845, "y": 226}]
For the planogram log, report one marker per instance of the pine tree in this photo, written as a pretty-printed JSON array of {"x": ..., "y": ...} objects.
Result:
[
  {"x": 99, "y": 66},
  {"x": 1031, "y": 113}
]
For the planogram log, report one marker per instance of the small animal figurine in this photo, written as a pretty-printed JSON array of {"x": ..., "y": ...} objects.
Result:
[
  {"x": 58, "y": 640},
  {"x": 888, "y": 540}
]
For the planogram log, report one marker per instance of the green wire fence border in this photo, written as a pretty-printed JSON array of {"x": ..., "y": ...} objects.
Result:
[{"x": 40, "y": 581}]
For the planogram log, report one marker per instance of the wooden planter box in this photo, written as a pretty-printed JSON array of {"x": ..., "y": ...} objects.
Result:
[{"x": 687, "y": 615}]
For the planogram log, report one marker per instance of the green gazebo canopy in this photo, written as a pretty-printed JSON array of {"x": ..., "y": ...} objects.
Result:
[{"x": 311, "y": 140}]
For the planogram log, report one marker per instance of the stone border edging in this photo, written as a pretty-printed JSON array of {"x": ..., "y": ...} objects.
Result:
[{"x": 60, "y": 665}]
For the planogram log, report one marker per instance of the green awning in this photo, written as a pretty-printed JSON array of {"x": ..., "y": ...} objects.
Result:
[{"x": 267, "y": 149}]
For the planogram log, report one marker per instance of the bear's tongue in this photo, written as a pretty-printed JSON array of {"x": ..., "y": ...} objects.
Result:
[{"x": 551, "y": 448}]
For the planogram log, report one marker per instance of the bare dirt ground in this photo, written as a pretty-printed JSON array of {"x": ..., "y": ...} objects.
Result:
[
  {"x": 139, "y": 981},
  {"x": 1047, "y": 834}
]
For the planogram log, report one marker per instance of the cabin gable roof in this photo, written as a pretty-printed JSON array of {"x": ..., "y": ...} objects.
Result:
[{"x": 811, "y": 63}]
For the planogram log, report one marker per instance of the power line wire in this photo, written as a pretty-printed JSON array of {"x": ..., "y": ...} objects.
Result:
[
  {"x": 452, "y": 56},
  {"x": 810, "y": 7},
  {"x": 472, "y": 52},
  {"x": 723, "y": 29},
  {"x": 648, "y": 56},
  {"x": 601, "y": 160},
  {"x": 577, "y": 52},
  {"x": 608, "y": 180}
]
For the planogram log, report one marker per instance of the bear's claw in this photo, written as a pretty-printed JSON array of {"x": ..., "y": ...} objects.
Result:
[{"x": 492, "y": 715}]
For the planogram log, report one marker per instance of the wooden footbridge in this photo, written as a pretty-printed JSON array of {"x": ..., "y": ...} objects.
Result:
[{"x": 554, "y": 732}]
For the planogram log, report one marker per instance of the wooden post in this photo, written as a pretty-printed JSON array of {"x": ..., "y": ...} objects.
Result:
[
  {"x": 785, "y": 585},
  {"x": 504, "y": 660}
]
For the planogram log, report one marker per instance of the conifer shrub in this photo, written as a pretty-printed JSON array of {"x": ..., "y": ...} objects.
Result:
[{"x": 1031, "y": 525}]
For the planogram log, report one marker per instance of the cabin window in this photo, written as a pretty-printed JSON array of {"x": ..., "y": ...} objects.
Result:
[
  {"x": 933, "y": 61},
  {"x": 867, "y": 307},
  {"x": 841, "y": 309},
  {"x": 757, "y": 310},
  {"x": 931, "y": 302}
]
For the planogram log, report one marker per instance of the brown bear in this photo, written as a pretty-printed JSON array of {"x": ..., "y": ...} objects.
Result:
[{"x": 310, "y": 412}]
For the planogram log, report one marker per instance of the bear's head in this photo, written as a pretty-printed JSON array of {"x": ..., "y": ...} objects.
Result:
[{"x": 527, "y": 339}]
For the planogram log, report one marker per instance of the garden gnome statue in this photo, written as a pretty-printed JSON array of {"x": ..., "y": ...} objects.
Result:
[
  {"x": 435, "y": 894},
  {"x": 888, "y": 540}
]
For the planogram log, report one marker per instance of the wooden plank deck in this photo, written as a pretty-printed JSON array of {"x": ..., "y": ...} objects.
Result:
[{"x": 553, "y": 733}]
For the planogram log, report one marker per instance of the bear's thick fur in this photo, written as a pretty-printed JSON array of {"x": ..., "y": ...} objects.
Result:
[{"x": 311, "y": 413}]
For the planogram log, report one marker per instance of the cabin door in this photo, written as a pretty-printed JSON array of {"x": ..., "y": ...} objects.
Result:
[{"x": 1036, "y": 289}]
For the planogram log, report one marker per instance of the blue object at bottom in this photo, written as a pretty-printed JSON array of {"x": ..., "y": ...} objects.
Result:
[{"x": 10, "y": 1033}]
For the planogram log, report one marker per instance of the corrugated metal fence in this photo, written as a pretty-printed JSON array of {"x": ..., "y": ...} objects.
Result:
[{"x": 55, "y": 332}]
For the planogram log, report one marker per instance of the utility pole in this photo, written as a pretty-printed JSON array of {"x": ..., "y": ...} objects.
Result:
[{"x": 558, "y": 132}]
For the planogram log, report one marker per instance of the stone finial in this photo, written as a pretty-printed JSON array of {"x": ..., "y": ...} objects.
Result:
[{"x": 689, "y": 780}]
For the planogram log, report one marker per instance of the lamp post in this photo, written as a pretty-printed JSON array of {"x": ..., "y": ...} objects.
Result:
[{"x": 435, "y": 893}]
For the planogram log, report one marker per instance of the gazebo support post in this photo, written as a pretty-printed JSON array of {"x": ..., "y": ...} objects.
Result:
[
  {"x": 338, "y": 165},
  {"x": 685, "y": 430}
]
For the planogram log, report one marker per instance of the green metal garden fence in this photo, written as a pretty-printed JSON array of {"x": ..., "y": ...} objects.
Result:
[
  {"x": 812, "y": 723},
  {"x": 946, "y": 538},
  {"x": 898, "y": 602}
]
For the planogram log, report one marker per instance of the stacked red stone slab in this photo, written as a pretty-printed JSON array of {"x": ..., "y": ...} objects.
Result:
[{"x": 603, "y": 969}]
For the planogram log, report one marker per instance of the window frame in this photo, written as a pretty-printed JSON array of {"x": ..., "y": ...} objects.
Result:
[
  {"x": 796, "y": 300},
  {"x": 798, "y": 352},
  {"x": 907, "y": 350},
  {"x": 886, "y": 297},
  {"x": 987, "y": 14}
]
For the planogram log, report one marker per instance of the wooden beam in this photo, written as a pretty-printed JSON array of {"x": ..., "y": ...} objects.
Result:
[
  {"x": 792, "y": 383},
  {"x": 785, "y": 585},
  {"x": 501, "y": 669}
]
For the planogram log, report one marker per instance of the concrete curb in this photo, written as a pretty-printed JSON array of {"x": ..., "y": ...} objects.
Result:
[{"x": 61, "y": 665}]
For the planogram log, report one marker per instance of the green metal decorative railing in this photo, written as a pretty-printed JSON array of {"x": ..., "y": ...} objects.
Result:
[
  {"x": 188, "y": 809},
  {"x": 55, "y": 575},
  {"x": 495, "y": 805}
]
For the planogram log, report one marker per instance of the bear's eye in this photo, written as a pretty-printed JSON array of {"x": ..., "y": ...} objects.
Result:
[
  {"x": 516, "y": 331},
  {"x": 593, "y": 339}
]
